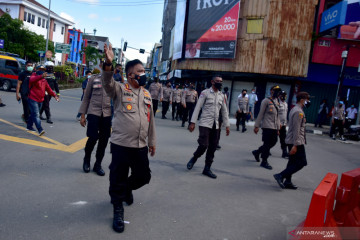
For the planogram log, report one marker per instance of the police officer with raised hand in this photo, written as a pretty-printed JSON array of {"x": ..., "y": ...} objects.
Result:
[
  {"x": 176, "y": 101},
  {"x": 283, "y": 111},
  {"x": 295, "y": 140},
  {"x": 155, "y": 91},
  {"x": 165, "y": 99},
  {"x": 188, "y": 100},
  {"x": 97, "y": 106},
  {"x": 133, "y": 135},
  {"x": 212, "y": 101},
  {"x": 269, "y": 121}
]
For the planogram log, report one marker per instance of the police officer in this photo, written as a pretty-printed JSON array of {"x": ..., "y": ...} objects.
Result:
[
  {"x": 283, "y": 111},
  {"x": 295, "y": 141},
  {"x": 212, "y": 101},
  {"x": 269, "y": 121},
  {"x": 155, "y": 91},
  {"x": 176, "y": 102},
  {"x": 338, "y": 121},
  {"x": 165, "y": 99},
  {"x": 96, "y": 105},
  {"x": 54, "y": 86},
  {"x": 133, "y": 134},
  {"x": 243, "y": 110},
  {"x": 188, "y": 100}
]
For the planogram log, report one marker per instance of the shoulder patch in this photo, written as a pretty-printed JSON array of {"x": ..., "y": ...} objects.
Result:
[{"x": 301, "y": 115}]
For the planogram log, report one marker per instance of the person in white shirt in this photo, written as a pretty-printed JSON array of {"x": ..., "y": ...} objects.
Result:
[
  {"x": 253, "y": 99},
  {"x": 351, "y": 115}
]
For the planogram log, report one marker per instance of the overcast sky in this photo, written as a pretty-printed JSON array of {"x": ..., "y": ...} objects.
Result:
[{"x": 139, "y": 25}]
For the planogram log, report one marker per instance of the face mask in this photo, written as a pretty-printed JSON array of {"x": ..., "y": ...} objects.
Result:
[
  {"x": 39, "y": 72},
  {"x": 282, "y": 98},
  {"x": 117, "y": 70},
  {"x": 141, "y": 79},
  {"x": 253, "y": 91},
  {"x": 244, "y": 94},
  {"x": 352, "y": 106},
  {"x": 218, "y": 85},
  {"x": 191, "y": 87},
  {"x": 30, "y": 69},
  {"x": 89, "y": 76},
  {"x": 307, "y": 104}
]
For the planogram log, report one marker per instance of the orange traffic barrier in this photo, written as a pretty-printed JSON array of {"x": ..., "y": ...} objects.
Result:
[{"x": 347, "y": 208}]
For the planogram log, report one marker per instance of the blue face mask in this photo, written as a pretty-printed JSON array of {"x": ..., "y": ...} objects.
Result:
[{"x": 39, "y": 72}]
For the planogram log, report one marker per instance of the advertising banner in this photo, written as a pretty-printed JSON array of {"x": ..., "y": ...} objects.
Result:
[
  {"x": 351, "y": 28},
  {"x": 333, "y": 17},
  {"x": 212, "y": 28},
  {"x": 179, "y": 29}
]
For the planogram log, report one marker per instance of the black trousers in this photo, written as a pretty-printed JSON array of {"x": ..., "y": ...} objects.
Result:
[
  {"x": 338, "y": 124},
  {"x": 188, "y": 112},
  {"x": 282, "y": 137},
  {"x": 123, "y": 159},
  {"x": 46, "y": 106},
  {"x": 241, "y": 117},
  {"x": 269, "y": 138},
  {"x": 208, "y": 140},
  {"x": 155, "y": 105},
  {"x": 296, "y": 162},
  {"x": 175, "y": 109},
  {"x": 98, "y": 130},
  {"x": 24, "y": 101},
  {"x": 165, "y": 107}
]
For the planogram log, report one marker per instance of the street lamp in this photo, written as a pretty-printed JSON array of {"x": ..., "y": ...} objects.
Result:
[{"x": 94, "y": 31}]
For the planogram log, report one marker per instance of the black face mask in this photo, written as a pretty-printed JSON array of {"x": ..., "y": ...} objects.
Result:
[
  {"x": 276, "y": 93},
  {"x": 307, "y": 104},
  {"x": 141, "y": 79},
  {"x": 191, "y": 87},
  {"x": 39, "y": 72},
  {"x": 218, "y": 85},
  {"x": 282, "y": 98}
]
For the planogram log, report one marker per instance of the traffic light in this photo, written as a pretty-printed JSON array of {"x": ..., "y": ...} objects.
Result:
[
  {"x": 142, "y": 51},
  {"x": 125, "y": 46}
]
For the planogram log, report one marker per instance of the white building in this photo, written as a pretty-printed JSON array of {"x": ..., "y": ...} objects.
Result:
[{"x": 35, "y": 18}]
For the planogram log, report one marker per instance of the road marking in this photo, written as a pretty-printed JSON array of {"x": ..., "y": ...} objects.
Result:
[{"x": 52, "y": 145}]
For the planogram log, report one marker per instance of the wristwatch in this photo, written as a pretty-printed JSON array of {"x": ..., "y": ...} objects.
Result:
[{"x": 105, "y": 64}]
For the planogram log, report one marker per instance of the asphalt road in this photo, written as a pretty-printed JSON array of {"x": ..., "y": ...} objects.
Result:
[{"x": 46, "y": 195}]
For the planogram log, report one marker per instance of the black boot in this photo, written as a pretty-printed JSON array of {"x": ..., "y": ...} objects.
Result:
[
  {"x": 265, "y": 164},
  {"x": 237, "y": 128},
  {"x": 49, "y": 121},
  {"x": 98, "y": 169},
  {"x": 191, "y": 163},
  {"x": 41, "y": 117},
  {"x": 118, "y": 221},
  {"x": 208, "y": 172},
  {"x": 183, "y": 125},
  {"x": 256, "y": 155},
  {"x": 279, "y": 179},
  {"x": 284, "y": 153},
  {"x": 86, "y": 165},
  {"x": 290, "y": 185},
  {"x": 129, "y": 199}
]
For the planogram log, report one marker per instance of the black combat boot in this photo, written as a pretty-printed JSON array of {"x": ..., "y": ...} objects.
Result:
[
  {"x": 191, "y": 163},
  {"x": 98, "y": 169},
  {"x": 279, "y": 179},
  {"x": 86, "y": 165},
  {"x": 183, "y": 125},
  {"x": 129, "y": 199},
  {"x": 118, "y": 221},
  {"x": 256, "y": 155},
  {"x": 208, "y": 172},
  {"x": 290, "y": 185},
  {"x": 264, "y": 163},
  {"x": 285, "y": 154},
  {"x": 49, "y": 121}
]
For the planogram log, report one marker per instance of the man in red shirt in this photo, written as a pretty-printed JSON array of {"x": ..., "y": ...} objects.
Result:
[{"x": 37, "y": 87}]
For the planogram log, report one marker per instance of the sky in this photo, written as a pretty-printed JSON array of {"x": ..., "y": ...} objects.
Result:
[{"x": 139, "y": 25}]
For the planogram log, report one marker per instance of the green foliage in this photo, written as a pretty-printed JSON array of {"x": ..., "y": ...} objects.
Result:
[
  {"x": 96, "y": 71},
  {"x": 20, "y": 40},
  {"x": 91, "y": 55}
]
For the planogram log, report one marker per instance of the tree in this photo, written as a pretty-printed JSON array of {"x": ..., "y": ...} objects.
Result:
[
  {"x": 91, "y": 55},
  {"x": 20, "y": 40}
]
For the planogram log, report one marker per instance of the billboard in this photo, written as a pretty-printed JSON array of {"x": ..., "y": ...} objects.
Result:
[
  {"x": 351, "y": 27},
  {"x": 212, "y": 28},
  {"x": 333, "y": 17},
  {"x": 179, "y": 29}
]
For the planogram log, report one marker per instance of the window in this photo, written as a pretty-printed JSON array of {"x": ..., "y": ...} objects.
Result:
[
  {"x": 25, "y": 15},
  {"x": 13, "y": 65},
  {"x": 254, "y": 26},
  {"x": 39, "y": 21},
  {"x": 29, "y": 17},
  {"x": 62, "y": 30},
  {"x": 43, "y": 23},
  {"x": 54, "y": 27},
  {"x": 33, "y": 19}
]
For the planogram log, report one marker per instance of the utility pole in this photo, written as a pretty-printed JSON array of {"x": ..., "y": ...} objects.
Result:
[
  {"x": 48, "y": 29},
  {"x": 121, "y": 50},
  {"x": 344, "y": 56}
]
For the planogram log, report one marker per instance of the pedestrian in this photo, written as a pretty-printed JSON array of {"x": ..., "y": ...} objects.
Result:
[
  {"x": 268, "y": 120},
  {"x": 118, "y": 73},
  {"x": 95, "y": 112},
  {"x": 322, "y": 113},
  {"x": 338, "y": 121},
  {"x": 253, "y": 99},
  {"x": 83, "y": 86},
  {"x": 50, "y": 78},
  {"x": 22, "y": 89},
  {"x": 351, "y": 116},
  {"x": 295, "y": 141},
  {"x": 165, "y": 98},
  {"x": 133, "y": 135},
  {"x": 243, "y": 110},
  {"x": 37, "y": 87},
  {"x": 283, "y": 111},
  {"x": 1, "y": 103},
  {"x": 155, "y": 91},
  {"x": 212, "y": 101},
  {"x": 188, "y": 100},
  {"x": 176, "y": 102}
]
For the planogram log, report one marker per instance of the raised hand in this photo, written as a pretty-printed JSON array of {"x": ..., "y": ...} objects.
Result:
[{"x": 109, "y": 54}]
